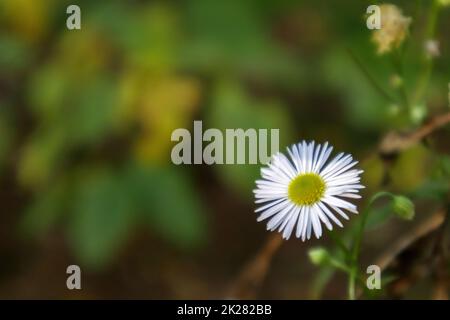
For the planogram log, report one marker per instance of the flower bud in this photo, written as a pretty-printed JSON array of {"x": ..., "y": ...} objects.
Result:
[
  {"x": 319, "y": 256},
  {"x": 403, "y": 207}
]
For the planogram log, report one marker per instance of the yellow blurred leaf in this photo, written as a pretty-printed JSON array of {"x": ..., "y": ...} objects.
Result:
[
  {"x": 39, "y": 159},
  {"x": 373, "y": 173},
  {"x": 411, "y": 168},
  {"x": 167, "y": 103},
  {"x": 28, "y": 18}
]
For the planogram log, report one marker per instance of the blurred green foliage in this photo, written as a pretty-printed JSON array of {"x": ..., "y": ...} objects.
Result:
[{"x": 86, "y": 116}]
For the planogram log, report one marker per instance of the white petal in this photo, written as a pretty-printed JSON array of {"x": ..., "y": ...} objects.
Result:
[
  {"x": 286, "y": 166},
  {"x": 273, "y": 210},
  {"x": 316, "y": 224},
  {"x": 275, "y": 221},
  {"x": 336, "y": 161},
  {"x": 330, "y": 214},
  {"x": 290, "y": 226},
  {"x": 346, "y": 175},
  {"x": 300, "y": 222},
  {"x": 271, "y": 175},
  {"x": 323, "y": 156},
  {"x": 340, "y": 170},
  {"x": 306, "y": 221},
  {"x": 340, "y": 203},
  {"x": 341, "y": 213},
  {"x": 303, "y": 156},
  {"x": 350, "y": 195},
  {"x": 309, "y": 225},
  {"x": 310, "y": 151},
  {"x": 267, "y": 206},
  {"x": 322, "y": 217},
  {"x": 293, "y": 153},
  {"x": 316, "y": 156}
]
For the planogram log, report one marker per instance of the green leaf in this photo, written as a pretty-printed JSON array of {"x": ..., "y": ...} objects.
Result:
[
  {"x": 92, "y": 112},
  {"x": 433, "y": 189},
  {"x": 15, "y": 54},
  {"x": 48, "y": 206},
  {"x": 53, "y": 94},
  {"x": 48, "y": 89},
  {"x": 365, "y": 108},
  {"x": 41, "y": 157},
  {"x": 169, "y": 204},
  {"x": 101, "y": 218},
  {"x": 233, "y": 108},
  {"x": 243, "y": 47}
]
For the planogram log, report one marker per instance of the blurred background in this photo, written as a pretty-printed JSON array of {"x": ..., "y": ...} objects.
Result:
[{"x": 86, "y": 118}]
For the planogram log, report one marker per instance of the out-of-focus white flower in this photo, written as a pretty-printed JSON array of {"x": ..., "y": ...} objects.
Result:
[
  {"x": 418, "y": 112},
  {"x": 394, "y": 28},
  {"x": 432, "y": 48},
  {"x": 307, "y": 190}
]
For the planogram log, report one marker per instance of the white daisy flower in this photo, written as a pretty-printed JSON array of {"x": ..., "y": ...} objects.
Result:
[{"x": 307, "y": 190}]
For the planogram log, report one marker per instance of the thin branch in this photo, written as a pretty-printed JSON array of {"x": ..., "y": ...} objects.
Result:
[
  {"x": 394, "y": 142},
  {"x": 424, "y": 228},
  {"x": 388, "y": 257},
  {"x": 442, "y": 277},
  {"x": 253, "y": 274},
  {"x": 430, "y": 31}
]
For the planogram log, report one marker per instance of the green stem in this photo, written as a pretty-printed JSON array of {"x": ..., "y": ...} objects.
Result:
[
  {"x": 352, "y": 286},
  {"x": 354, "y": 269},
  {"x": 370, "y": 78},
  {"x": 397, "y": 62},
  {"x": 355, "y": 255},
  {"x": 338, "y": 241},
  {"x": 326, "y": 273},
  {"x": 428, "y": 61}
]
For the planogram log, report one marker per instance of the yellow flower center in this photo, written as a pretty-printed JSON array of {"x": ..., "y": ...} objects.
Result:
[{"x": 306, "y": 189}]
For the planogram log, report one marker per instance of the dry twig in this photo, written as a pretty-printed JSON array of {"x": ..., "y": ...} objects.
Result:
[
  {"x": 388, "y": 257},
  {"x": 253, "y": 274},
  {"x": 394, "y": 142},
  {"x": 424, "y": 228}
]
